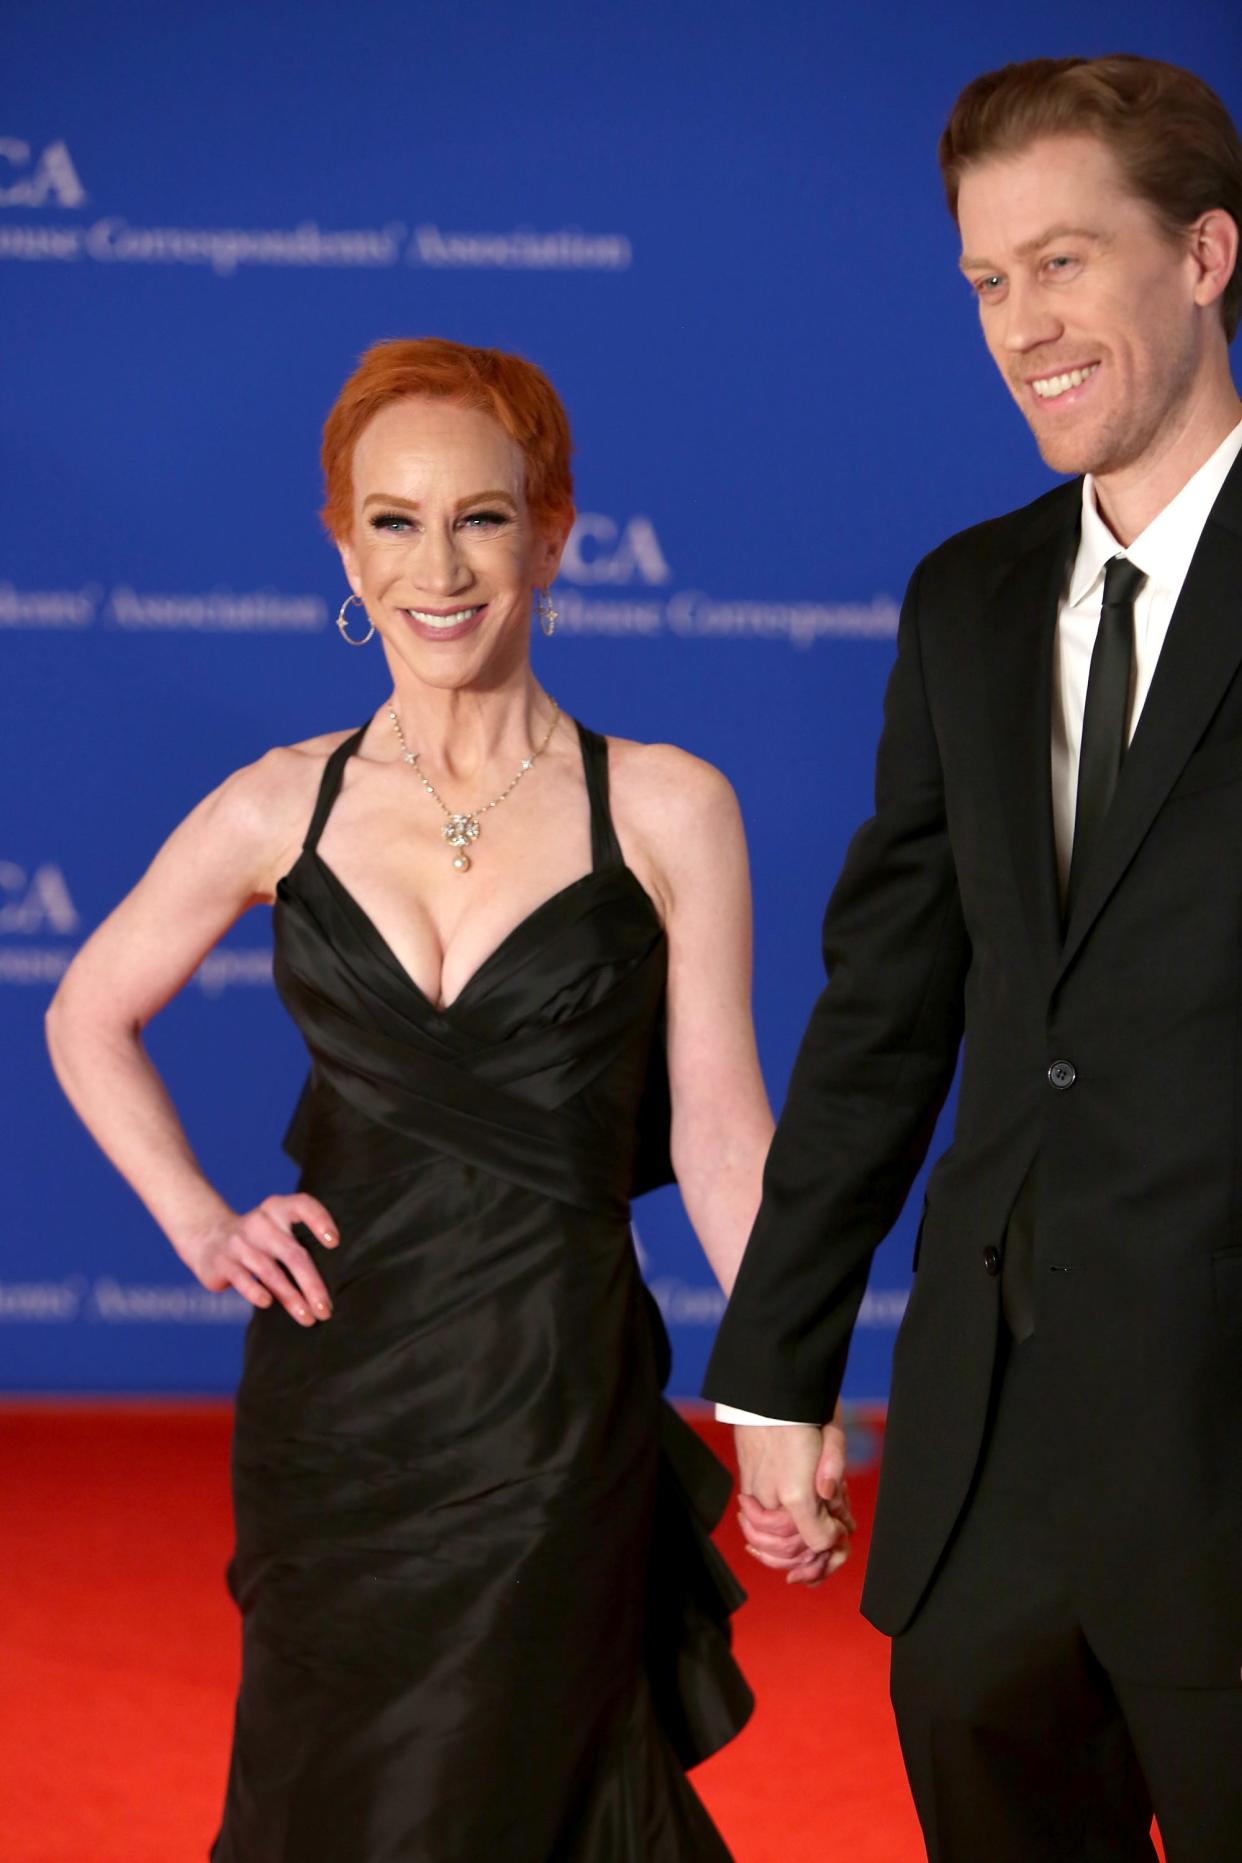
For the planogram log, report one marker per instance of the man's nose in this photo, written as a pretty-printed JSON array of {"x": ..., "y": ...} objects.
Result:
[{"x": 1028, "y": 319}]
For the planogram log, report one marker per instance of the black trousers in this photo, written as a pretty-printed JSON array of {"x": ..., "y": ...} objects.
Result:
[{"x": 1019, "y": 1746}]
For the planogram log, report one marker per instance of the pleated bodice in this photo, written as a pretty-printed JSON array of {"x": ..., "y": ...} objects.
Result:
[{"x": 547, "y": 1067}]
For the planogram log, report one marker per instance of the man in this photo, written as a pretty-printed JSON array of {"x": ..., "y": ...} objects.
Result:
[{"x": 1054, "y": 869}]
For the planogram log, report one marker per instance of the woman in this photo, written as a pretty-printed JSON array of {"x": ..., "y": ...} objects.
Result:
[{"x": 481, "y": 1620}]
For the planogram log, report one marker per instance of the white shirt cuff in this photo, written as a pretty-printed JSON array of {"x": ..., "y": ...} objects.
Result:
[{"x": 726, "y": 1413}]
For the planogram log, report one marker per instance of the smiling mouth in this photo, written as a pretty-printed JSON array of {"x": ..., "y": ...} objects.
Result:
[
  {"x": 456, "y": 617},
  {"x": 1051, "y": 387}
]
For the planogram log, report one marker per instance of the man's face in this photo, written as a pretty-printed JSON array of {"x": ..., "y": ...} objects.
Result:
[{"x": 1086, "y": 304}]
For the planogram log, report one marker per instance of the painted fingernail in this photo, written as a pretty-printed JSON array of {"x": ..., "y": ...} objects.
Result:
[
  {"x": 329, "y": 1238},
  {"x": 321, "y": 1306}
]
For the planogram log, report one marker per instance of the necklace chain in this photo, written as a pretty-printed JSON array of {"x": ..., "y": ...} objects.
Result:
[{"x": 460, "y": 830}]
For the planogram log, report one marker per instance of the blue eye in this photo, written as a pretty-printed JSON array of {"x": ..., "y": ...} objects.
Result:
[
  {"x": 389, "y": 520},
  {"x": 486, "y": 517}
]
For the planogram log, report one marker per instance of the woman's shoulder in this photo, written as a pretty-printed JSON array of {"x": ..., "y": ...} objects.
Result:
[
  {"x": 665, "y": 792},
  {"x": 271, "y": 799}
]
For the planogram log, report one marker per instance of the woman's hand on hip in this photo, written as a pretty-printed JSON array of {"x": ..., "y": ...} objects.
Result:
[{"x": 258, "y": 1254}]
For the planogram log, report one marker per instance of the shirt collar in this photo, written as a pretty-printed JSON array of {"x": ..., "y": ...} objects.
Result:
[{"x": 1162, "y": 551}]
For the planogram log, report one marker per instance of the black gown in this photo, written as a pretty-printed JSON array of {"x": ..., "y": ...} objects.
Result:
[{"x": 482, "y": 1620}]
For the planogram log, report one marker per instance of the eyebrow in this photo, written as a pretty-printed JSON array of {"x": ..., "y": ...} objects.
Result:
[
  {"x": 411, "y": 504},
  {"x": 1040, "y": 240}
]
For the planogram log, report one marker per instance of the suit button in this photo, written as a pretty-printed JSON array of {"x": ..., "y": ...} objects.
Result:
[
  {"x": 992, "y": 1260},
  {"x": 1062, "y": 1075}
]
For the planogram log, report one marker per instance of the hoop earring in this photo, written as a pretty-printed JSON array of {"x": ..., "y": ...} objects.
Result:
[
  {"x": 546, "y": 612},
  {"x": 342, "y": 621}
]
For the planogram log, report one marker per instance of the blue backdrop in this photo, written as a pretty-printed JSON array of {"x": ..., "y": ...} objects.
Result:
[{"x": 719, "y": 230}]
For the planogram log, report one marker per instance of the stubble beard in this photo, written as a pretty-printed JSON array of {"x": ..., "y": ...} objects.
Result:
[{"x": 1126, "y": 433}]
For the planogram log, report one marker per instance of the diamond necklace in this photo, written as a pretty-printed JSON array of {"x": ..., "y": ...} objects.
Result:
[{"x": 460, "y": 830}]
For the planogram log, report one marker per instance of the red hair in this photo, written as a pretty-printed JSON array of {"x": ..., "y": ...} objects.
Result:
[{"x": 513, "y": 391}]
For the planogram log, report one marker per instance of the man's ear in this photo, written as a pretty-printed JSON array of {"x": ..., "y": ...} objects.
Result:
[{"x": 1214, "y": 248}]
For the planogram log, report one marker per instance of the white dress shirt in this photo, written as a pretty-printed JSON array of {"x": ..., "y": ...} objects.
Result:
[{"x": 1163, "y": 552}]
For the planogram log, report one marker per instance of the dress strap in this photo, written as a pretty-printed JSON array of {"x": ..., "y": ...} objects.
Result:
[
  {"x": 605, "y": 848},
  {"x": 329, "y": 786}
]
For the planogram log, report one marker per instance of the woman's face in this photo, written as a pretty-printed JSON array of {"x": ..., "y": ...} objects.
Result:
[{"x": 443, "y": 550}]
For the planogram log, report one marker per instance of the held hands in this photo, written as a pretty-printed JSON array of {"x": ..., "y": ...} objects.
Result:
[
  {"x": 794, "y": 1506},
  {"x": 259, "y": 1255}
]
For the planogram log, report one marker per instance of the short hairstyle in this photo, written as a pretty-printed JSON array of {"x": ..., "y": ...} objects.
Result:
[
  {"x": 1168, "y": 131},
  {"x": 513, "y": 391}
]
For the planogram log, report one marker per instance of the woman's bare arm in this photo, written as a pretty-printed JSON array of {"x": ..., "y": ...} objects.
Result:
[
  {"x": 722, "y": 1125},
  {"x": 691, "y": 830},
  {"x": 223, "y": 858}
]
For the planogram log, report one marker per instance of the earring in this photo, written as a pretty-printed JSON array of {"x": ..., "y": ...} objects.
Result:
[
  {"x": 546, "y": 612},
  {"x": 342, "y": 621}
]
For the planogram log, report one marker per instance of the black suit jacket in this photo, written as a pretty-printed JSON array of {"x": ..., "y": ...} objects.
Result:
[{"x": 945, "y": 922}]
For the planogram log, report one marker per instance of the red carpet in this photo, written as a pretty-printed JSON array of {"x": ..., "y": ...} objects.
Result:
[{"x": 119, "y": 1661}]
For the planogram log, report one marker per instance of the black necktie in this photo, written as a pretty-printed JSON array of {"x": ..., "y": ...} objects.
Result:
[{"x": 1105, "y": 716}]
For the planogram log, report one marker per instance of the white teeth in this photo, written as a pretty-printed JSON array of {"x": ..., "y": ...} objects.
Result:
[
  {"x": 443, "y": 621},
  {"x": 1053, "y": 385}
]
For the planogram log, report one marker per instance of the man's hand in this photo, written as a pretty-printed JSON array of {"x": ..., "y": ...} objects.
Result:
[{"x": 794, "y": 1509}]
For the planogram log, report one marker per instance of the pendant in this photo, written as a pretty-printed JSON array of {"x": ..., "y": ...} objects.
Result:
[
  {"x": 462, "y": 862},
  {"x": 461, "y": 830}
]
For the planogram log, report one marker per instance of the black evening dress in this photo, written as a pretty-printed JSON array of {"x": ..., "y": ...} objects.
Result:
[{"x": 482, "y": 1619}]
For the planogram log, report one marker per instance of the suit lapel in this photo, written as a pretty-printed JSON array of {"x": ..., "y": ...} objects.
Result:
[
  {"x": 1021, "y": 627},
  {"x": 1202, "y": 652}
]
